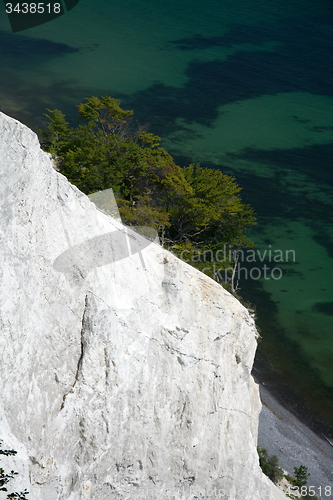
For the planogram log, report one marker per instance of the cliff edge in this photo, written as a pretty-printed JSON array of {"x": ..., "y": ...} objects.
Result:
[{"x": 124, "y": 374}]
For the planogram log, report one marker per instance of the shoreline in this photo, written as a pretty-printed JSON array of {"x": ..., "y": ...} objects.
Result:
[
  {"x": 294, "y": 438},
  {"x": 290, "y": 399}
]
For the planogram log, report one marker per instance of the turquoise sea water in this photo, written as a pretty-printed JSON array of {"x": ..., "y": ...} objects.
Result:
[{"x": 245, "y": 87}]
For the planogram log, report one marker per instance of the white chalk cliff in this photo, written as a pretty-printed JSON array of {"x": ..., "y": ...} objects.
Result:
[{"x": 119, "y": 380}]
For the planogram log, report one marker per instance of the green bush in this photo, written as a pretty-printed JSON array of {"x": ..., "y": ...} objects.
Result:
[
  {"x": 270, "y": 465},
  {"x": 301, "y": 476},
  {"x": 197, "y": 211},
  {"x": 299, "y": 481}
]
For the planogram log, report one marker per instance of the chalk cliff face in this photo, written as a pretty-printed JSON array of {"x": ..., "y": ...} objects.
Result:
[{"x": 121, "y": 378}]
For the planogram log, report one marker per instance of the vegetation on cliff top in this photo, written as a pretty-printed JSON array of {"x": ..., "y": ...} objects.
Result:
[{"x": 195, "y": 209}]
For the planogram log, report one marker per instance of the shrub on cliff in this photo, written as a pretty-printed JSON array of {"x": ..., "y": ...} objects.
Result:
[
  {"x": 191, "y": 207},
  {"x": 270, "y": 465}
]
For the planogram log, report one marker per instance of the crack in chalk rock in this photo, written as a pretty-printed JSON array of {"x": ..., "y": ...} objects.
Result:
[
  {"x": 80, "y": 360},
  {"x": 221, "y": 336},
  {"x": 181, "y": 355},
  {"x": 178, "y": 333},
  {"x": 234, "y": 409}
]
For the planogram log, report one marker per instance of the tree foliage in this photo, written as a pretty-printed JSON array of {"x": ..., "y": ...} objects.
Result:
[
  {"x": 210, "y": 210},
  {"x": 192, "y": 207},
  {"x": 301, "y": 476},
  {"x": 270, "y": 465}
]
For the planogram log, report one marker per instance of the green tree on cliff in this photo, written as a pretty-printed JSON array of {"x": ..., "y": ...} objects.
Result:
[{"x": 192, "y": 207}]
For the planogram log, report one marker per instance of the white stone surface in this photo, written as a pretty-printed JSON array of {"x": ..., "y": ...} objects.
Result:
[{"x": 118, "y": 380}]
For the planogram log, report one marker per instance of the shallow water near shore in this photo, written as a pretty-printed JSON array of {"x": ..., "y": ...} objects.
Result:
[{"x": 244, "y": 87}]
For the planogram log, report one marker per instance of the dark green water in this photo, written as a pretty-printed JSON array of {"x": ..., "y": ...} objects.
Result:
[{"x": 246, "y": 87}]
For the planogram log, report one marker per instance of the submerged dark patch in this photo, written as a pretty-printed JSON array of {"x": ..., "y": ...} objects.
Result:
[
  {"x": 324, "y": 308},
  {"x": 247, "y": 74},
  {"x": 21, "y": 45},
  {"x": 288, "y": 30},
  {"x": 35, "y": 99}
]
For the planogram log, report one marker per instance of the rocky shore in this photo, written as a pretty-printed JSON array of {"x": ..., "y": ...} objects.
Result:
[{"x": 295, "y": 444}]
